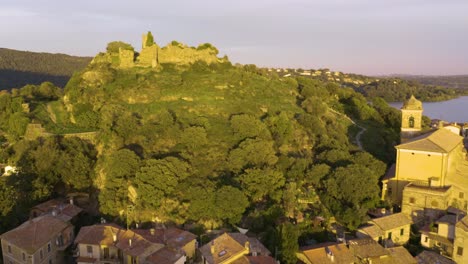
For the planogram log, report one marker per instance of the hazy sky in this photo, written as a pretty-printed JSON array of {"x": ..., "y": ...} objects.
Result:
[{"x": 360, "y": 36}]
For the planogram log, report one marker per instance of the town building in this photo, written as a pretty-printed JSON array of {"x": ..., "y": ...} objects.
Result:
[
  {"x": 234, "y": 248},
  {"x": 431, "y": 170},
  {"x": 388, "y": 230},
  {"x": 109, "y": 243},
  {"x": 440, "y": 235},
  {"x": 39, "y": 240}
]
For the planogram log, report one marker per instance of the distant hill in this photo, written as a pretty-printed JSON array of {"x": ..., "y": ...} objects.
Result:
[
  {"x": 449, "y": 81},
  {"x": 18, "y": 68}
]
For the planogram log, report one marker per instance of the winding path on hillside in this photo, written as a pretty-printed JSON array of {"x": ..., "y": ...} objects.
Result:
[{"x": 357, "y": 138}]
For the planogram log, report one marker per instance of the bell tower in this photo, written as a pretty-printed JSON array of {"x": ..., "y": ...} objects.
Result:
[{"x": 411, "y": 118}]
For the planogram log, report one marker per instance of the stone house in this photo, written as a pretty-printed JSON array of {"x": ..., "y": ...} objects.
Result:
[
  {"x": 40, "y": 240},
  {"x": 430, "y": 257},
  {"x": 388, "y": 230},
  {"x": 235, "y": 248},
  {"x": 460, "y": 244},
  {"x": 441, "y": 234},
  {"x": 109, "y": 243}
]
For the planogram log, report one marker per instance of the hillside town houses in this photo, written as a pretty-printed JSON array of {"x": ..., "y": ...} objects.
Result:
[{"x": 427, "y": 188}]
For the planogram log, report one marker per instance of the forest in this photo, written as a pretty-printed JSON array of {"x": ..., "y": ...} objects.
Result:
[
  {"x": 213, "y": 145},
  {"x": 19, "y": 68}
]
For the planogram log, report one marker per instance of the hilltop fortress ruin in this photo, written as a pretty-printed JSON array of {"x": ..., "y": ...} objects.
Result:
[{"x": 122, "y": 55}]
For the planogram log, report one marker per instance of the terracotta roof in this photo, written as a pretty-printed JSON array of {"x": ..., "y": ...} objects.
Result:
[
  {"x": 172, "y": 236},
  {"x": 104, "y": 234},
  {"x": 412, "y": 104},
  {"x": 63, "y": 210},
  {"x": 429, "y": 257},
  {"x": 261, "y": 260},
  {"x": 449, "y": 219},
  {"x": 165, "y": 255},
  {"x": 255, "y": 244},
  {"x": 366, "y": 248},
  {"x": 372, "y": 230},
  {"x": 392, "y": 221},
  {"x": 322, "y": 254},
  {"x": 223, "y": 247},
  {"x": 35, "y": 233},
  {"x": 401, "y": 255},
  {"x": 441, "y": 141}
]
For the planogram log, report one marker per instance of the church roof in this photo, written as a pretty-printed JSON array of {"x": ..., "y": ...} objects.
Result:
[
  {"x": 412, "y": 104},
  {"x": 441, "y": 140}
]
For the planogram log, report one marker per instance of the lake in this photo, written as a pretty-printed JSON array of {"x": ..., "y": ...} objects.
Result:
[{"x": 455, "y": 110}]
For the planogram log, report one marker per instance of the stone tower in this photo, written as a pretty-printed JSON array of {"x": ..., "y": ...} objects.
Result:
[
  {"x": 149, "y": 53},
  {"x": 411, "y": 118}
]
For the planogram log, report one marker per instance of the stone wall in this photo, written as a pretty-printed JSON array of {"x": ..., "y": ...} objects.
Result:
[
  {"x": 179, "y": 54},
  {"x": 148, "y": 56},
  {"x": 126, "y": 58}
]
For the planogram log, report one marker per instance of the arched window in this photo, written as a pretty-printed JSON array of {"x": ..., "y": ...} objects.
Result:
[{"x": 411, "y": 122}]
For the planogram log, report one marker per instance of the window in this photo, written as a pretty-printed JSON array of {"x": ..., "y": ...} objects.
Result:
[
  {"x": 402, "y": 231},
  {"x": 411, "y": 122},
  {"x": 389, "y": 235},
  {"x": 133, "y": 260},
  {"x": 24, "y": 256},
  {"x": 412, "y": 200},
  {"x": 434, "y": 204},
  {"x": 9, "y": 249},
  {"x": 106, "y": 252},
  {"x": 41, "y": 254},
  {"x": 48, "y": 247},
  {"x": 426, "y": 239},
  {"x": 459, "y": 251},
  {"x": 50, "y": 261},
  {"x": 89, "y": 249},
  {"x": 461, "y": 195}
]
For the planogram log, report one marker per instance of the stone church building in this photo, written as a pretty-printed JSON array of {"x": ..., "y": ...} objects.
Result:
[{"x": 431, "y": 170}]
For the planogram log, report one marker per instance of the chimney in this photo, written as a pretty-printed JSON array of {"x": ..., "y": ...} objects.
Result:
[
  {"x": 136, "y": 224},
  {"x": 212, "y": 248},
  {"x": 130, "y": 242},
  {"x": 71, "y": 201},
  {"x": 114, "y": 237},
  {"x": 247, "y": 246},
  {"x": 152, "y": 231},
  {"x": 54, "y": 212}
]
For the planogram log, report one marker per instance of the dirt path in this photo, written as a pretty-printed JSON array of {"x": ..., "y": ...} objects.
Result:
[{"x": 359, "y": 134}]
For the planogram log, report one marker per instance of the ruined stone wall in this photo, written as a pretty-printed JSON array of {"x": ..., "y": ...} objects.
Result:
[
  {"x": 185, "y": 55},
  {"x": 148, "y": 56},
  {"x": 126, "y": 58}
]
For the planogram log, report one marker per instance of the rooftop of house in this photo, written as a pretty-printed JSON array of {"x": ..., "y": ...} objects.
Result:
[
  {"x": 329, "y": 253},
  {"x": 35, "y": 233},
  {"x": 439, "y": 141},
  {"x": 165, "y": 255},
  {"x": 449, "y": 219},
  {"x": 232, "y": 246},
  {"x": 62, "y": 209},
  {"x": 430, "y": 257},
  {"x": 171, "y": 236},
  {"x": 368, "y": 249},
  {"x": 372, "y": 230},
  {"x": 392, "y": 221},
  {"x": 463, "y": 224},
  {"x": 112, "y": 235}
]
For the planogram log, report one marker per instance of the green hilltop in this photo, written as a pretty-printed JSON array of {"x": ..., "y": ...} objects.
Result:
[{"x": 183, "y": 136}]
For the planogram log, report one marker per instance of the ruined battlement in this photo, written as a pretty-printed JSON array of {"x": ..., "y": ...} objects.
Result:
[{"x": 151, "y": 55}]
